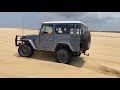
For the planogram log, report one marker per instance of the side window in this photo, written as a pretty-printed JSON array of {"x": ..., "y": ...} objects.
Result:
[
  {"x": 62, "y": 29},
  {"x": 47, "y": 28},
  {"x": 72, "y": 28},
  {"x": 78, "y": 28}
]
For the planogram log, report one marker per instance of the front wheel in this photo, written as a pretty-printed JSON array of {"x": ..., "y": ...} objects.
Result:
[
  {"x": 25, "y": 50},
  {"x": 63, "y": 56}
]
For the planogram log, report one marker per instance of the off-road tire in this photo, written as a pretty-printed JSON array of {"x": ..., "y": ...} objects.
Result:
[
  {"x": 22, "y": 48},
  {"x": 86, "y": 40},
  {"x": 65, "y": 52}
]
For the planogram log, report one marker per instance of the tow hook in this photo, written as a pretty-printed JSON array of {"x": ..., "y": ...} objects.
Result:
[{"x": 85, "y": 53}]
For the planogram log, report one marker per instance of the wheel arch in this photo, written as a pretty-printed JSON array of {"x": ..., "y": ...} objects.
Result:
[
  {"x": 63, "y": 45},
  {"x": 29, "y": 41}
]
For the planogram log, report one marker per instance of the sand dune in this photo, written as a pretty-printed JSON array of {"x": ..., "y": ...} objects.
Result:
[{"x": 103, "y": 62}]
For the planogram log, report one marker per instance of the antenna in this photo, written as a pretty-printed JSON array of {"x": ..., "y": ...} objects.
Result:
[{"x": 23, "y": 26}]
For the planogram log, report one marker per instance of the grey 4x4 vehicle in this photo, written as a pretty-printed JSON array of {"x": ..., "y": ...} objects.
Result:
[{"x": 65, "y": 39}]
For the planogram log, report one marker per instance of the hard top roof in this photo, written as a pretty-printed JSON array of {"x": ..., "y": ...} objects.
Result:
[{"x": 49, "y": 22}]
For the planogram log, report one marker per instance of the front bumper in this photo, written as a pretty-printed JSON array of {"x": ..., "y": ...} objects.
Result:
[{"x": 18, "y": 40}]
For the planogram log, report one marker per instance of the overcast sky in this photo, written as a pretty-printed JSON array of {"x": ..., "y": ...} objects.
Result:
[{"x": 32, "y": 20}]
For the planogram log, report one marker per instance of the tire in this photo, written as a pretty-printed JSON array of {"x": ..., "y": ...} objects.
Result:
[
  {"x": 25, "y": 50},
  {"x": 86, "y": 40},
  {"x": 63, "y": 56}
]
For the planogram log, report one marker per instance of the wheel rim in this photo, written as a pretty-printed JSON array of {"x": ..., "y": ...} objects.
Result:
[
  {"x": 25, "y": 51},
  {"x": 63, "y": 56}
]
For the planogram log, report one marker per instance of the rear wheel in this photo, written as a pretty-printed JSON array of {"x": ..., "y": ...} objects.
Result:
[
  {"x": 63, "y": 56},
  {"x": 25, "y": 50}
]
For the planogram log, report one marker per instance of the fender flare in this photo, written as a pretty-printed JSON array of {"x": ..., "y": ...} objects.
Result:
[
  {"x": 64, "y": 44},
  {"x": 31, "y": 43}
]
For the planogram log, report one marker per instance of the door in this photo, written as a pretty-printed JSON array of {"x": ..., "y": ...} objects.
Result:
[{"x": 46, "y": 37}]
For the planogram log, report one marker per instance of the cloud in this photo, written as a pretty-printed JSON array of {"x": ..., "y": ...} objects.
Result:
[
  {"x": 95, "y": 20},
  {"x": 103, "y": 15},
  {"x": 32, "y": 20}
]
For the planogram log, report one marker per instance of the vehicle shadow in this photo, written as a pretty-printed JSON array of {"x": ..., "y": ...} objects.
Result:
[
  {"x": 48, "y": 56},
  {"x": 78, "y": 62}
]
